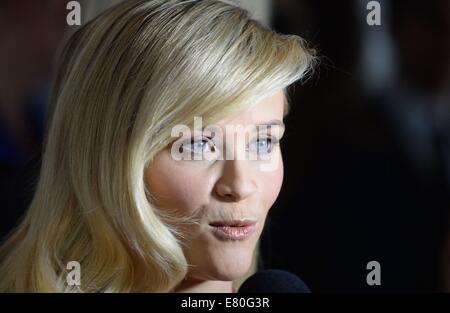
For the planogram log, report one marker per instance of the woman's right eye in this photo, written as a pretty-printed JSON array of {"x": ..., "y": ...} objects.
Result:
[{"x": 199, "y": 146}]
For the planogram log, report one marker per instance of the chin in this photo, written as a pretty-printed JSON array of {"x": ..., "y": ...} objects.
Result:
[
  {"x": 228, "y": 275},
  {"x": 229, "y": 269}
]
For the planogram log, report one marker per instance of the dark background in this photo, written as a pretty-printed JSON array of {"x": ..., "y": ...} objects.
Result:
[{"x": 366, "y": 151}]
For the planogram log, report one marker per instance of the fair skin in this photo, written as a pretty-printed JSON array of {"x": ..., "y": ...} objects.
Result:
[{"x": 221, "y": 190}]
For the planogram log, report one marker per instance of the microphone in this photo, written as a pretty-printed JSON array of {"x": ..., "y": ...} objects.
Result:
[{"x": 274, "y": 281}]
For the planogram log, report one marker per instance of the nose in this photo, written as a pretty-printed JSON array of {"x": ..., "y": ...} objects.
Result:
[{"x": 236, "y": 182}]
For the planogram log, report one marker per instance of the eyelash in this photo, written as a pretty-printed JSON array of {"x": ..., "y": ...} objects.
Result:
[{"x": 272, "y": 142}]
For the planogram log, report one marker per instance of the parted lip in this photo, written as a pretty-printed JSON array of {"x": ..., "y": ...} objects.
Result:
[{"x": 233, "y": 223}]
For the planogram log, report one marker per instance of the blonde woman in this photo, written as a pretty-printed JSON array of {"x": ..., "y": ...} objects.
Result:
[{"x": 112, "y": 196}]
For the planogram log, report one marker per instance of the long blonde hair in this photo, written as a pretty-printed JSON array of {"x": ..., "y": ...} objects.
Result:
[{"x": 126, "y": 78}]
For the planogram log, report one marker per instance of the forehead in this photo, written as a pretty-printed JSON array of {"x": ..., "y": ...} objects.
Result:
[{"x": 267, "y": 109}]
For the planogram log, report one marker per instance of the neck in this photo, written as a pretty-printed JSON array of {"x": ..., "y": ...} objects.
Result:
[{"x": 207, "y": 286}]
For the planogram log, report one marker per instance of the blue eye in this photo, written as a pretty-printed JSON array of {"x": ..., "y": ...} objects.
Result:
[
  {"x": 263, "y": 145},
  {"x": 200, "y": 146}
]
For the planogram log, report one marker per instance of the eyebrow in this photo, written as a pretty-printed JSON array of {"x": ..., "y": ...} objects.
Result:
[{"x": 275, "y": 122}]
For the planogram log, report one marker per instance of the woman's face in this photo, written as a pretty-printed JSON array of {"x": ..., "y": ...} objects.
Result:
[{"x": 230, "y": 196}]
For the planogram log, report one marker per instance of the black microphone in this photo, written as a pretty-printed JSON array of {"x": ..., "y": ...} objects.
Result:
[{"x": 273, "y": 281}]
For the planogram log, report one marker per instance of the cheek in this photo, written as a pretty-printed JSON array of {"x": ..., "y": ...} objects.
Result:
[
  {"x": 271, "y": 185},
  {"x": 175, "y": 186}
]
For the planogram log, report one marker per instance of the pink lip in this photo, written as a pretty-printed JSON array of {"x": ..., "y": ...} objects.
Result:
[{"x": 233, "y": 230}]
